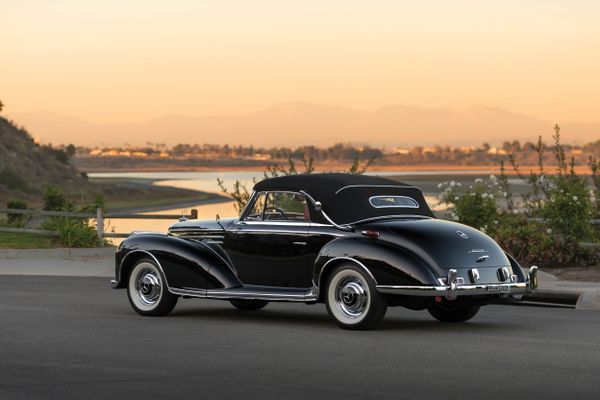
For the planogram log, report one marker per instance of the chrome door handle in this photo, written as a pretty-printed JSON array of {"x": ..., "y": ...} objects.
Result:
[{"x": 300, "y": 243}]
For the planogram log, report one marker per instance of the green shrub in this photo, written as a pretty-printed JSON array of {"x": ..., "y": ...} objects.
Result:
[
  {"x": 475, "y": 205},
  {"x": 568, "y": 208},
  {"x": 17, "y": 220},
  {"x": 75, "y": 232},
  {"x": 55, "y": 199}
]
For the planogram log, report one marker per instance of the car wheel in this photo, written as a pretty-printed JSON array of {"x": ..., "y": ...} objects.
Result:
[
  {"x": 453, "y": 312},
  {"x": 248, "y": 305},
  {"x": 147, "y": 290},
  {"x": 352, "y": 299}
]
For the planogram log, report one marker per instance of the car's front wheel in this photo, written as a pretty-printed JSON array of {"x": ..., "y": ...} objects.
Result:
[
  {"x": 453, "y": 312},
  {"x": 352, "y": 299},
  {"x": 147, "y": 290},
  {"x": 249, "y": 305}
]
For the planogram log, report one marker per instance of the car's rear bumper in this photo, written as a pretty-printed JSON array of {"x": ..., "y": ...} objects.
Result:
[{"x": 452, "y": 289}]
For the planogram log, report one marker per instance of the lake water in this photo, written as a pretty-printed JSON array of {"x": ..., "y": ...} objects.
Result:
[{"x": 207, "y": 182}]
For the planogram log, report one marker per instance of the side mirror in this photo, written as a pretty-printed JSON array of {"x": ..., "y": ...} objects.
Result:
[{"x": 318, "y": 206}]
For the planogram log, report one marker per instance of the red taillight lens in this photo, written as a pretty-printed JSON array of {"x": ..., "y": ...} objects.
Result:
[{"x": 371, "y": 233}]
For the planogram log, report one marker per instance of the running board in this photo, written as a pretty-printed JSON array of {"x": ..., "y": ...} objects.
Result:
[{"x": 251, "y": 292}]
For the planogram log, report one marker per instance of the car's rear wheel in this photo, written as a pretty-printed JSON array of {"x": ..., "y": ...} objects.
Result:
[
  {"x": 445, "y": 312},
  {"x": 352, "y": 299},
  {"x": 249, "y": 305},
  {"x": 147, "y": 290}
]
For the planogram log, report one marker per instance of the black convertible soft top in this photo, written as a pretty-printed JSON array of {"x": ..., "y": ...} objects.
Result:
[{"x": 348, "y": 198}]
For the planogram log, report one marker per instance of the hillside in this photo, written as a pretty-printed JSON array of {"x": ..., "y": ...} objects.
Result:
[{"x": 26, "y": 168}]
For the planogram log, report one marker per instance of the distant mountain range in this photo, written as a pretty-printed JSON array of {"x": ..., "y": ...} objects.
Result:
[{"x": 302, "y": 123}]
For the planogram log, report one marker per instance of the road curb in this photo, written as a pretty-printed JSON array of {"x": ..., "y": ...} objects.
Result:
[{"x": 58, "y": 262}]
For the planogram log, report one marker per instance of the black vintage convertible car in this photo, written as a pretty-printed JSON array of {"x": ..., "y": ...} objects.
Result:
[{"x": 356, "y": 243}]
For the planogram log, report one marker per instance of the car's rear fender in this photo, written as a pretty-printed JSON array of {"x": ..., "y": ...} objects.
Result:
[
  {"x": 386, "y": 263},
  {"x": 185, "y": 263}
]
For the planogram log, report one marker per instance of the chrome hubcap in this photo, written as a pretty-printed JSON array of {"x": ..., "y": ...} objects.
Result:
[
  {"x": 351, "y": 297},
  {"x": 148, "y": 287}
]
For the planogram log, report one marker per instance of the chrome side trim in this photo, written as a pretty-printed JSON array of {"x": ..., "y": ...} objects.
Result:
[
  {"x": 283, "y": 223},
  {"x": 188, "y": 292},
  {"x": 347, "y": 259},
  {"x": 249, "y": 293},
  {"x": 158, "y": 265},
  {"x": 458, "y": 290}
]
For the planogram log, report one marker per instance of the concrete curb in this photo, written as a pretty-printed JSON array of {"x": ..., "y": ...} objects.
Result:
[{"x": 58, "y": 262}]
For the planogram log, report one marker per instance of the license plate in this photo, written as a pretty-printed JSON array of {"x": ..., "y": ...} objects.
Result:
[{"x": 498, "y": 288}]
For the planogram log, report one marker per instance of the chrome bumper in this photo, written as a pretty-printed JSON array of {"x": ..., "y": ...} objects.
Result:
[
  {"x": 452, "y": 289},
  {"x": 114, "y": 283}
]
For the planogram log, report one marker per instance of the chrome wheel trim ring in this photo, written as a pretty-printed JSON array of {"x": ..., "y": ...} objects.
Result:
[
  {"x": 349, "y": 296},
  {"x": 146, "y": 286}
]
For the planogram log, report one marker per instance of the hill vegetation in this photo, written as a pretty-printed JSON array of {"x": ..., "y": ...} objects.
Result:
[{"x": 26, "y": 167}]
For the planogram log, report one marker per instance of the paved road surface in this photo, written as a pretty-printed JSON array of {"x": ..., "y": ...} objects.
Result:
[{"x": 74, "y": 338}]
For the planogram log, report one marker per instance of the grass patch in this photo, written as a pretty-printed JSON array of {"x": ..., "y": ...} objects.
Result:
[{"x": 26, "y": 241}]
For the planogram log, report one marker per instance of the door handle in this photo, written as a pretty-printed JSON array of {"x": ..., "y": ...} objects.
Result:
[{"x": 300, "y": 243}]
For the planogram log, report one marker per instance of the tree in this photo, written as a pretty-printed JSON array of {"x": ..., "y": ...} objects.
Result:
[{"x": 1, "y": 105}]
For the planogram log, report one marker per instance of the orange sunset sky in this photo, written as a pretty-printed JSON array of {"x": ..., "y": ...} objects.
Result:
[{"x": 115, "y": 62}]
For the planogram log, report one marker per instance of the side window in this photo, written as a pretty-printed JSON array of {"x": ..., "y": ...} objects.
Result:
[
  {"x": 286, "y": 206},
  {"x": 256, "y": 213}
]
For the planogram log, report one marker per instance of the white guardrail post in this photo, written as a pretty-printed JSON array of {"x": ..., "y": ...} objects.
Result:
[{"x": 100, "y": 225}]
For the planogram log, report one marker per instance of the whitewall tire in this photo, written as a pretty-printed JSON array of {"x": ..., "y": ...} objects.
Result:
[
  {"x": 352, "y": 299},
  {"x": 147, "y": 290}
]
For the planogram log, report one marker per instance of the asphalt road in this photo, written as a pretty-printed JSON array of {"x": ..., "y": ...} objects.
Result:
[{"x": 75, "y": 338}]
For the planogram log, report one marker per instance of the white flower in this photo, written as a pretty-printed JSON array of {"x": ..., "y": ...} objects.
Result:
[
  {"x": 484, "y": 195},
  {"x": 548, "y": 231},
  {"x": 458, "y": 184},
  {"x": 482, "y": 229},
  {"x": 452, "y": 183},
  {"x": 495, "y": 222},
  {"x": 440, "y": 185},
  {"x": 515, "y": 211},
  {"x": 493, "y": 177},
  {"x": 504, "y": 194},
  {"x": 478, "y": 180},
  {"x": 455, "y": 197},
  {"x": 574, "y": 198}
]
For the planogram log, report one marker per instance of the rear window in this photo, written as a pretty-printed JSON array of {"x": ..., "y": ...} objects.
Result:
[{"x": 393, "y": 202}]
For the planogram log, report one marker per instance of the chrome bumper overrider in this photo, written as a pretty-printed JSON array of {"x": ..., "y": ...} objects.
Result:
[{"x": 452, "y": 289}]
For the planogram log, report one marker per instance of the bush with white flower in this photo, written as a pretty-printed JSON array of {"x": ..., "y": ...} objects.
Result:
[
  {"x": 474, "y": 205},
  {"x": 563, "y": 201}
]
